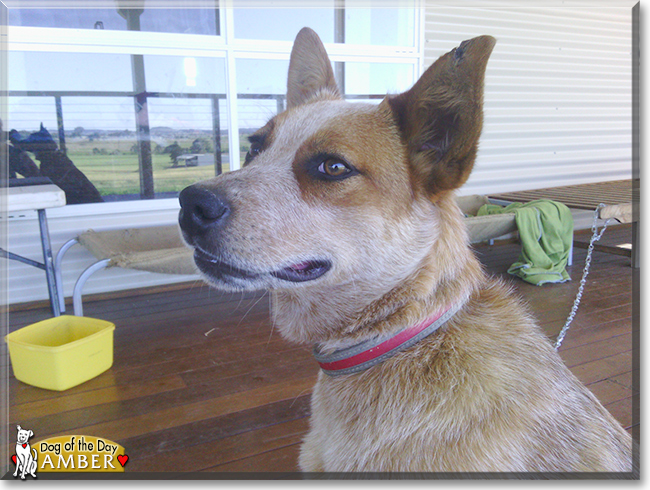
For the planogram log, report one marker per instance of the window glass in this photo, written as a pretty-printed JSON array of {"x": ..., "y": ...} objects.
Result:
[
  {"x": 282, "y": 24},
  {"x": 171, "y": 134},
  {"x": 377, "y": 78},
  {"x": 183, "y": 21},
  {"x": 185, "y": 75},
  {"x": 261, "y": 94},
  {"x": 69, "y": 71},
  {"x": 380, "y": 26}
]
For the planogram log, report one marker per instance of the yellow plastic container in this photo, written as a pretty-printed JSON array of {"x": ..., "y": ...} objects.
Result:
[{"x": 61, "y": 352}]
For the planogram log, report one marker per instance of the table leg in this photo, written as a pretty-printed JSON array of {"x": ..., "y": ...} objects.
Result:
[{"x": 49, "y": 263}]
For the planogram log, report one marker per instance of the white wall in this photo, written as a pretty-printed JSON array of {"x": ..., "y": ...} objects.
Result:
[{"x": 558, "y": 90}]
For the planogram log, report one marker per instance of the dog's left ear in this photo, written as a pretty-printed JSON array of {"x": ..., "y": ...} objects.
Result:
[
  {"x": 310, "y": 71},
  {"x": 441, "y": 116}
]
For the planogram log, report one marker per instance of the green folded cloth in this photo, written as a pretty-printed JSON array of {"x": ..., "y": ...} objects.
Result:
[{"x": 546, "y": 232}]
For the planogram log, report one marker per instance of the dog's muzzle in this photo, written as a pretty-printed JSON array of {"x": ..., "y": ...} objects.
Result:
[{"x": 203, "y": 219}]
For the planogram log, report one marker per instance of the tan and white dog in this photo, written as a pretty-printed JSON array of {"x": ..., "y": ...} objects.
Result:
[{"x": 346, "y": 212}]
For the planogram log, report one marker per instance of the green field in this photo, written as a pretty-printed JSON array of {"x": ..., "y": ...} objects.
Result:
[
  {"x": 119, "y": 174},
  {"x": 112, "y": 166}
]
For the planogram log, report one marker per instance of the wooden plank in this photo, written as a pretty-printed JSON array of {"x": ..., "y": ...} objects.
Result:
[
  {"x": 86, "y": 399},
  {"x": 607, "y": 391},
  {"x": 624, "y": 250},
  {"x": 284, "y": 459},
  {"x": 597, "y": 350},
  {"x": 628, "y": 380},
  {"x": 162, "y": 364},
  {"x": 215, "y": 428},
  {"x": 624, "y": 411},
  {"x": 128, "y": 426},
  {"x": 577, "y": 336},
  {"x": 171, "y": 407},
  {"x": 581, "y": 196},
  {"x": 591, "y": 372},
  {"x": 202, "y": 456}
]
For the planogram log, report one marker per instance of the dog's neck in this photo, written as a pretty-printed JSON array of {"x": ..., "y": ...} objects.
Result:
[{"x": 341, "y": 316}]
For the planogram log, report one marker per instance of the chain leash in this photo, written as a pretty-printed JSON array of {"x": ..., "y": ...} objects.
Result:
[{"x": 585, "y": 272}]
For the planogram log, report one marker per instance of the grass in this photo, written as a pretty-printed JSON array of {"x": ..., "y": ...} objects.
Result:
[
  {"x": 119, "y": 174},
  {"x": 115, "y": 171}
]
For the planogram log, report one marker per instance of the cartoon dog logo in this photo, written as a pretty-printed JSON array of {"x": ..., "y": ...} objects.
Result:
[{"x": 26, "y": 458}]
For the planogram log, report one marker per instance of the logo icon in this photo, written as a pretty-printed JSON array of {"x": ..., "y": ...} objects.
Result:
[{"x": 26, "y": 457}]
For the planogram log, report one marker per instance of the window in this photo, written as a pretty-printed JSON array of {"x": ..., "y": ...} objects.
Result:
[
  {"x": 142, "y": 114},
  {"x": 182, "y": 21},
  {"x": 93, "y": 117}
]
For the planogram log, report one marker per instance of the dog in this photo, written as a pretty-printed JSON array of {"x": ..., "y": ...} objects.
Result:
[
  {"x": 26, "y": 456},
  {"x": 346, "y": 213},
  {"x": 57, "y": 166}
]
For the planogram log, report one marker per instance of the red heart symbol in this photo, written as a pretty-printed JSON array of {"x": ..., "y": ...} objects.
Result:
[
  {"x": 25, "y": 445},
  {"x": 122, "y": 458},
  {"x": 13, "y": 458}
]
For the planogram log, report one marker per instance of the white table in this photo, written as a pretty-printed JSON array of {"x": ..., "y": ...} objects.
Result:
[{"x": 38, "y": 198}]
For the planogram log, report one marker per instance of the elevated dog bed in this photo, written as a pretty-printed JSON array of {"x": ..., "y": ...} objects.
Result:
[
  {"x": 484, "y": 228},
  {"x": 160, "y": 249},
  {"x": 154, "y": 249},
  {"x": 157, "y": 249}
]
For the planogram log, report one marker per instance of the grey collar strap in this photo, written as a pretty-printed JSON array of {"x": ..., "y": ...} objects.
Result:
[{"x": 373, "y": 351}]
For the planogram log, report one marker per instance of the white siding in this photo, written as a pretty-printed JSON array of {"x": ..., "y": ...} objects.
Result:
[{"x": 558, "y": 92}]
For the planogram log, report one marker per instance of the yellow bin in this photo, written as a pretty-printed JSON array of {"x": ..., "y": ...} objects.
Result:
[{"x": 61, "y": 352}]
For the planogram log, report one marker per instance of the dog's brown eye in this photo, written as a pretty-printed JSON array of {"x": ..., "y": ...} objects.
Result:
[{"x": 334, "y": 168}]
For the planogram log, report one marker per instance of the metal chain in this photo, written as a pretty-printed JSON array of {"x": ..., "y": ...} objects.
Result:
[{"x": 594, "y": 238}]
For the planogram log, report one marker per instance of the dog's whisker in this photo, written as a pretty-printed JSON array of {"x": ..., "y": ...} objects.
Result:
[{"x": 252, "y": 306}]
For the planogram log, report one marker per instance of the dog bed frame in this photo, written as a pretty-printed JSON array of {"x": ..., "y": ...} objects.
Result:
[
  {"x": 484, "y": 228},
  {"x": 157, "y": 249}
]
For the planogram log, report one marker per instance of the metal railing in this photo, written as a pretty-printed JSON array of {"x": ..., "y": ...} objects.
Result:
[{"x": 143, "y": 130}]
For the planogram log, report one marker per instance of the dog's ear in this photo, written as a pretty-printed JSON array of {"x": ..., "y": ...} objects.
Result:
[
  {"x": 310, "y": 71},
  {"x": 31, "y": 433},
  {"x": 440, "y": 118}
]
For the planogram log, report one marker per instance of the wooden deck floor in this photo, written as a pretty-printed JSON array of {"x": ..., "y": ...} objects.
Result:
[{"x": 201, "y": 383}]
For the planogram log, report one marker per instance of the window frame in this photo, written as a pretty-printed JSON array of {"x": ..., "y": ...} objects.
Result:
[{"x": 224, "y": 46}]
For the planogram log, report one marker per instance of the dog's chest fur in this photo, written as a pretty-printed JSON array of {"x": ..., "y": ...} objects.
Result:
[{"x": 462, "y": 400}]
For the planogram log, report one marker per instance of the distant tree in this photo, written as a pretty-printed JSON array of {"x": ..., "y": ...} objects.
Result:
[
  {"x": 174, "y": 152},
  {"x": 77, "y": 132},
  {"x": 169, "y": 148},
  {"x": 201, "y": 145}
]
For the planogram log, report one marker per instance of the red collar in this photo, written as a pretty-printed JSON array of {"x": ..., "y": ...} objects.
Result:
[{"x": 366, "y": 354}]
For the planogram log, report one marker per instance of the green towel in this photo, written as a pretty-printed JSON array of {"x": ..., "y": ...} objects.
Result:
[{"x": 546, "y": 232}]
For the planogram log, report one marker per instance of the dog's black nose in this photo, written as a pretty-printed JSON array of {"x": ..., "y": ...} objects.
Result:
[{"x": 201, "y": 209}]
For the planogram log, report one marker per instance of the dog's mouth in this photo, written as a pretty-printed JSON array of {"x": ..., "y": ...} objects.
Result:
[
  {"x": 304, "y": 271},
  {"x": 301, "y": 272}
]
